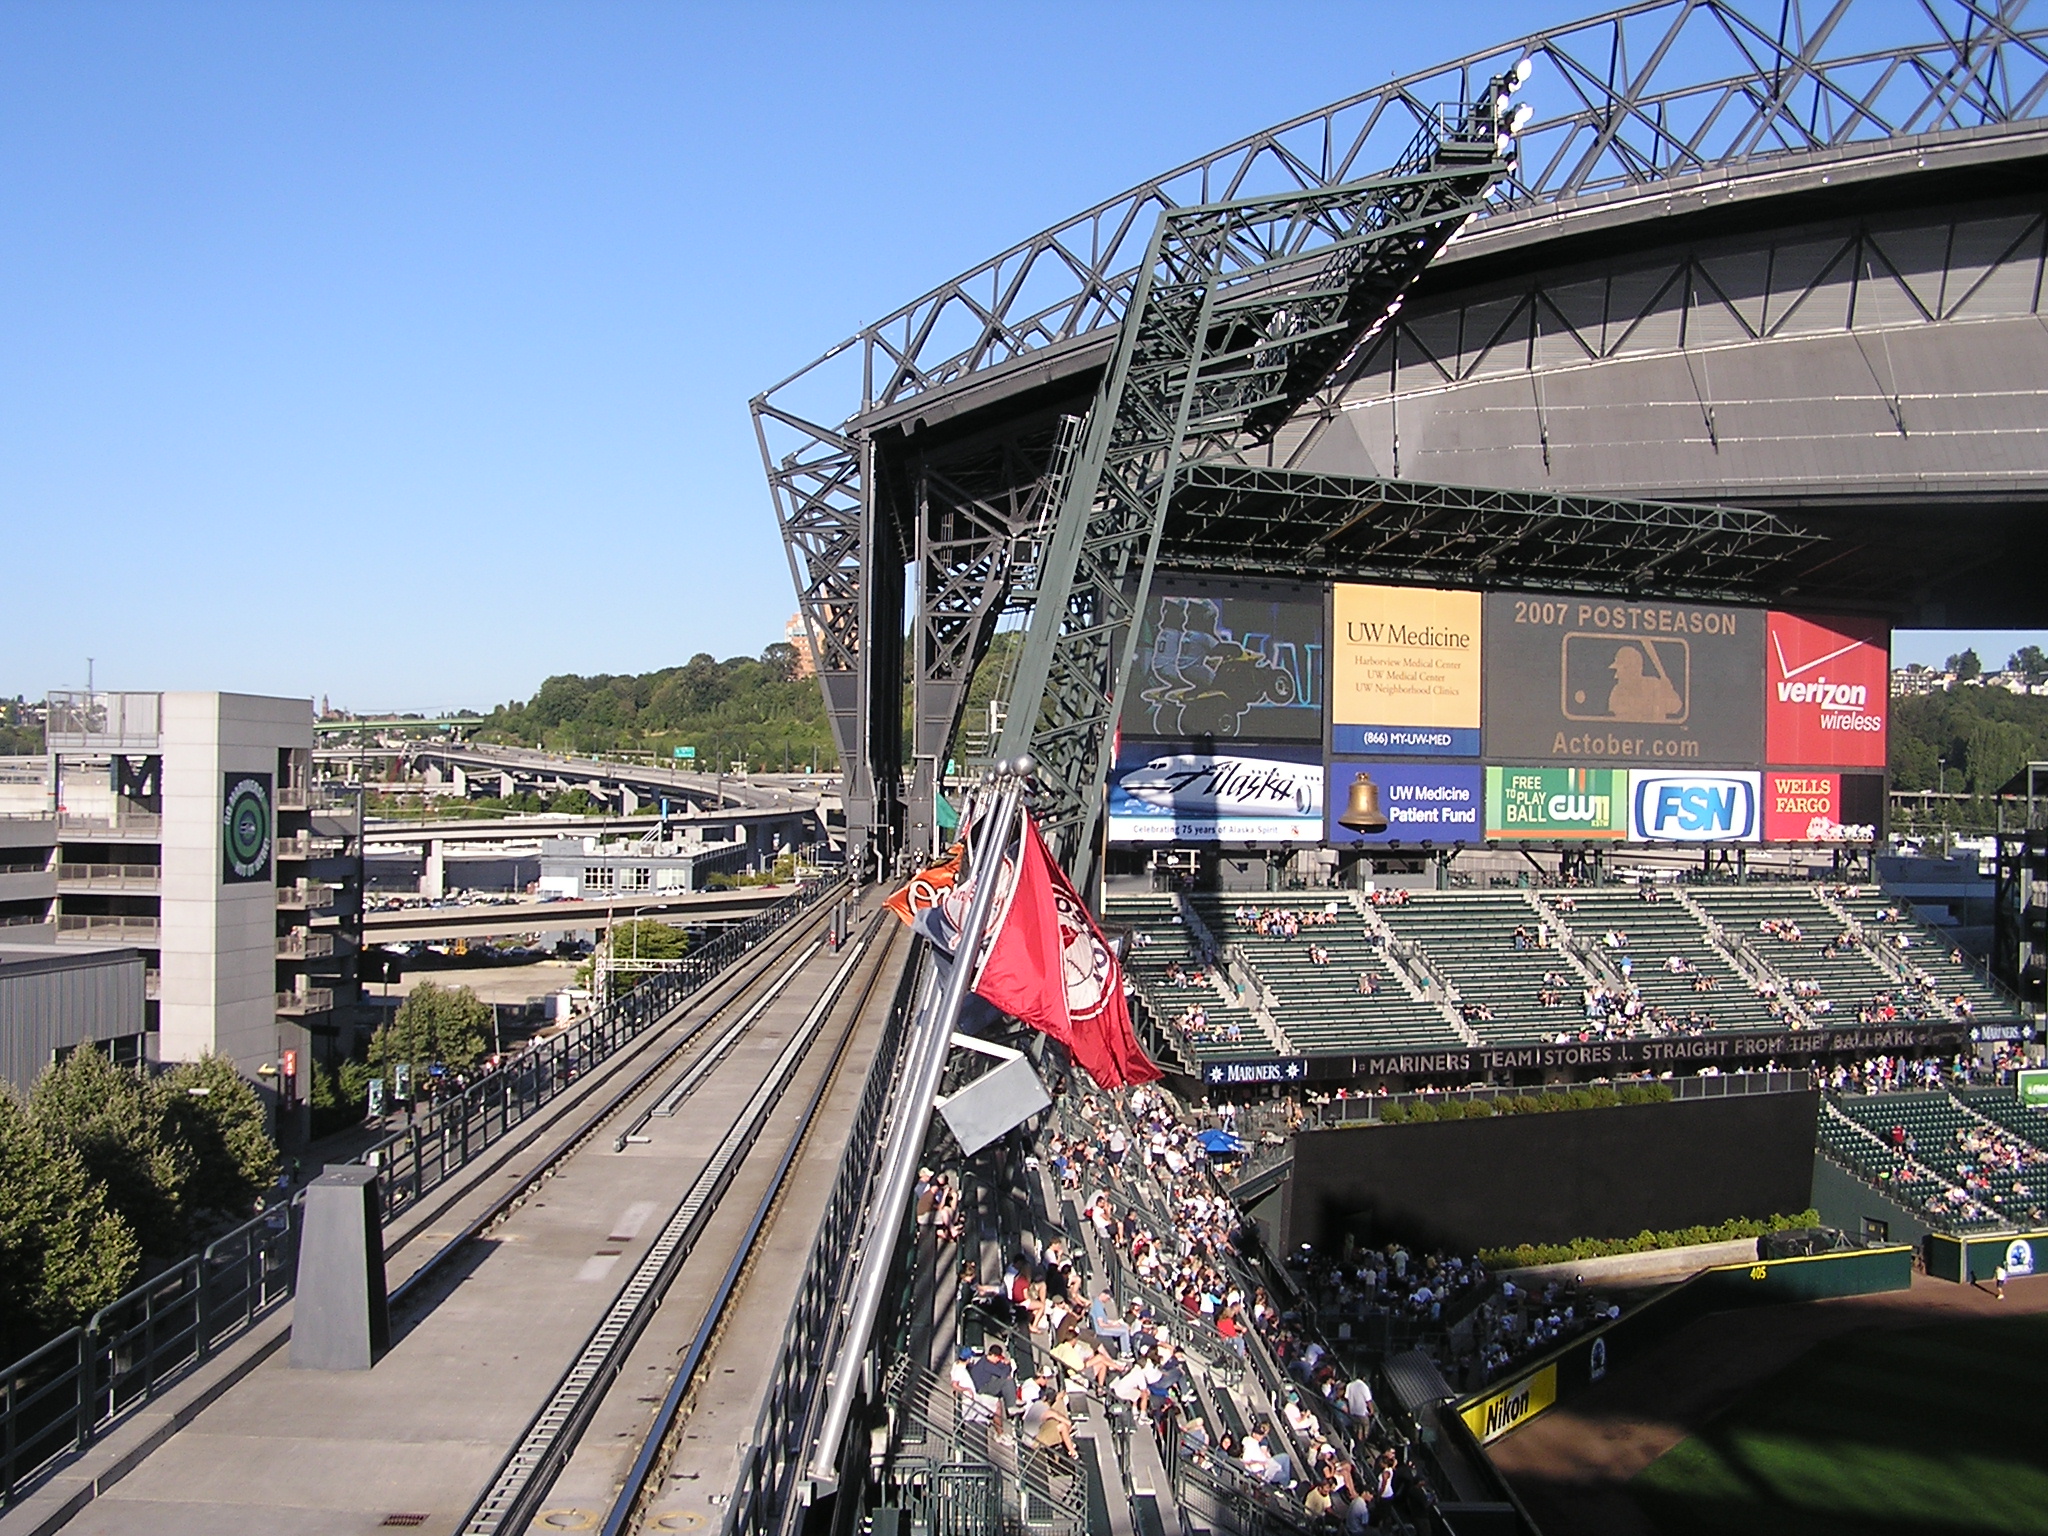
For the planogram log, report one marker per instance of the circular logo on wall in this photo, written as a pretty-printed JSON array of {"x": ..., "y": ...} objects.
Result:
[
  {"x": 1597, "y": 1363},
  {"x": 2019, "y": 1257},
  {"x": 246, "y": 827}
]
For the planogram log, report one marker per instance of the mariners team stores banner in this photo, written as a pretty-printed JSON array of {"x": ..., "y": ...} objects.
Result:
[{"x": 1405, "y": 672}]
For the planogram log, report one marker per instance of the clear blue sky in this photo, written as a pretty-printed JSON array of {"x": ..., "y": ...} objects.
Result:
[{"x": 401, "y": 353}]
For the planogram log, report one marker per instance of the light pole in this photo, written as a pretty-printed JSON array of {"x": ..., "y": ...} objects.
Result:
[{"x": 1942, "y": 764}]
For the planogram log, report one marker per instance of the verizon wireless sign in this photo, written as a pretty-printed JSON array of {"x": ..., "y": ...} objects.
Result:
[{"x": 1826, "y": 686}]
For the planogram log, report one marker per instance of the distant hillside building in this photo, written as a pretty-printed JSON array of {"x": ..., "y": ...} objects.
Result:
[{"x": 800, "y": 638}]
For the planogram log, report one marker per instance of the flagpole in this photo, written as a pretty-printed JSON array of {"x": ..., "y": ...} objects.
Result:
[{"x": 924, "y": 1069}]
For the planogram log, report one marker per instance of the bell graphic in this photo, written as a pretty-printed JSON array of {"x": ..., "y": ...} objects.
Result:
[{"x": 1363, "y": 813}]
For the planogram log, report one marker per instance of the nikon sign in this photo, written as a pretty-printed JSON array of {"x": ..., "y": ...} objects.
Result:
[
  {"x": 1584, "y": 681},
  {"x": 247, "y": 828}
]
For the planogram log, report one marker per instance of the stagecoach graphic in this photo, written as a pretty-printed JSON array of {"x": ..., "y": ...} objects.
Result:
[
  {"x": 1637, "y": 679},
  {"x": 1201, "y": 678}
]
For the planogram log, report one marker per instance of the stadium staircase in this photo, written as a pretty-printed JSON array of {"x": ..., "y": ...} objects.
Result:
[
  {"x": 1884, "y": 922},
  {"x": 1470, "y": 938},
  {"x": 1234, "y": 1028},
  {"x": 1931, "y": 1121},
  {"x": 1320, "y": 1007},
  {"x": 1847, "y": 978},
  {"x": 1656, "y": 932},
  {"x": 952, "y": 1468}
]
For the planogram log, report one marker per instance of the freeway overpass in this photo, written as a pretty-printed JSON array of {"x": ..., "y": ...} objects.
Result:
[
  {"x": 629, "y": 785},
  {"x": 410, "y": 925},
  {"x": 535, "y": 829}
]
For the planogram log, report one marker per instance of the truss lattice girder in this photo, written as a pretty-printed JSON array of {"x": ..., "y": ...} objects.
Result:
[
  {"x": 1241, "y": 311},
  {"x": 1621, "y": 103},
  {"x": 1231, "y": 518}
]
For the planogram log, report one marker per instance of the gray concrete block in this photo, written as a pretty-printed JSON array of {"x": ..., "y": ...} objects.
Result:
[{"x": 340, "y": 1317}]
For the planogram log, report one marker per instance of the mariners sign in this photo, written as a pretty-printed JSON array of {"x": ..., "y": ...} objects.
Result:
[
  {"x": 1265, "y": 1069},
  {"x": 246, "y": 827}
]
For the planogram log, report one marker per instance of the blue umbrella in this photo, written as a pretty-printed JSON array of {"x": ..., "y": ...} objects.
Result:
[{"x": 1218, "y": 1142}]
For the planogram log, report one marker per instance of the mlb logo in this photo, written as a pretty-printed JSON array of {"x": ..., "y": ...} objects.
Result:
[{"x": 1634, "y": 679}]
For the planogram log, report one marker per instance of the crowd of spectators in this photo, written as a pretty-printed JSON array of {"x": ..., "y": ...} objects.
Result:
[{"x": 1284, "y": 922}]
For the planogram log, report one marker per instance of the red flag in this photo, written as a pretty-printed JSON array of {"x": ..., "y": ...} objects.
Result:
[
  {"x": 1049, "y": 965},
  {"x": 927, "y": 888}
]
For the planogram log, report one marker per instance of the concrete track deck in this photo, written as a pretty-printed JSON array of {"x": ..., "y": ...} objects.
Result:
[{"x": 298, "y": 1453}]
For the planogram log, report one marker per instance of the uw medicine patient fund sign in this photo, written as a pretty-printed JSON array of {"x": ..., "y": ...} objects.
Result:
[{"x": 1404, "y": 672}]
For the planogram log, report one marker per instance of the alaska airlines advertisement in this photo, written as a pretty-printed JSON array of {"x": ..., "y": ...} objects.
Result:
[{"x": 1177, "y": 793}]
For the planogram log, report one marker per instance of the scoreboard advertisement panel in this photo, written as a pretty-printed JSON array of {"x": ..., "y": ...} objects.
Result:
[
  {"x": 1255, "y": 708},
  {"x": 1436, "y": 802},
  {"x": 1557, "y": 803},
  {"x": 1405, "y": 671},
  {"x": 1168, "y": 792},
  {"x": 1589, "y": 681},
  {"x": 1810, "y": 806},
  {"x": 1229, "y": 660},
  {"x": 1827, "y": 683}
]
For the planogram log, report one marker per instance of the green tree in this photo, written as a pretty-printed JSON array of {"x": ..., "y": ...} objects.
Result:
[
  {"x": 2031, "y": 662},
  {"x": 641, "y": 938},
  {"x": 1997, "y": 751},
  {"x": 117, "y": 1124},
  {"x": 215, "y": 1111},
  {"x": 1965, "y": 665},
  {"x": 444, "y": 1025},
  {"x": 63, "y": 1253}
]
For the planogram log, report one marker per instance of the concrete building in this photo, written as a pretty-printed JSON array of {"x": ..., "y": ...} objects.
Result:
[
  {"x": 187, "y": 825},
  {"x": 590, "y": 868}
]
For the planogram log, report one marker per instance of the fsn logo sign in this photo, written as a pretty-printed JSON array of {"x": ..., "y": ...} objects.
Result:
[{"x": 1694, "y": 807}]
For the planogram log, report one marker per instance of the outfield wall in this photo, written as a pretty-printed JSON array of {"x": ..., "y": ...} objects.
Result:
[
  {"x": 1564, "y": 1373},
  {"x": 1549, "y": 1178},
  {"x": 1973, "y": 1259}
]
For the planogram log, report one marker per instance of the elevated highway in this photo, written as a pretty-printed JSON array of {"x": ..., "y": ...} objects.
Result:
[
  {"x": 484, "y": 920},
  {"x": 512, "y": 769}
]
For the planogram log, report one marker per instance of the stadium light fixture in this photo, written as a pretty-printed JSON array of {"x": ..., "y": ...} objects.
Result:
[
  {"x": 1521, "y": 117},
  {"x": 1518, "y": 77}
]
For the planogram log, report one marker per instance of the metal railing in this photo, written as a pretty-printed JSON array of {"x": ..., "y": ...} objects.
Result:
[
  {"x": 306, "y": 897},
  {"x": 59, "y": 1398},
  {"x": 454, "y": 1127},
  {"x": 771, "y": 1465},
  {"x": 311, "y": 1000},
  {"x": 136, "y": 930},
  {"x": 118, "y": 877},
  {"x": 119, "y": 823},
  {"x": 304, "y": 944}
]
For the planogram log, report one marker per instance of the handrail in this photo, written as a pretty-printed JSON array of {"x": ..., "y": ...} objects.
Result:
[{"x": 58, "y": 1398}]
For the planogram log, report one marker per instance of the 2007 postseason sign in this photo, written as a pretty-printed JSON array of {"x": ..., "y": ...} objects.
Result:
[{"x": 1587, "y": 681}]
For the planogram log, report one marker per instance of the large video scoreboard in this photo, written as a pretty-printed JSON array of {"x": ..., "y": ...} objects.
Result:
[{"x": 1259, "y": 712}]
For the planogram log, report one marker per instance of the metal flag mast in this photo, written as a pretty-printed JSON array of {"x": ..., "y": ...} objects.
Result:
[{"x": 924, "y": 1068}]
